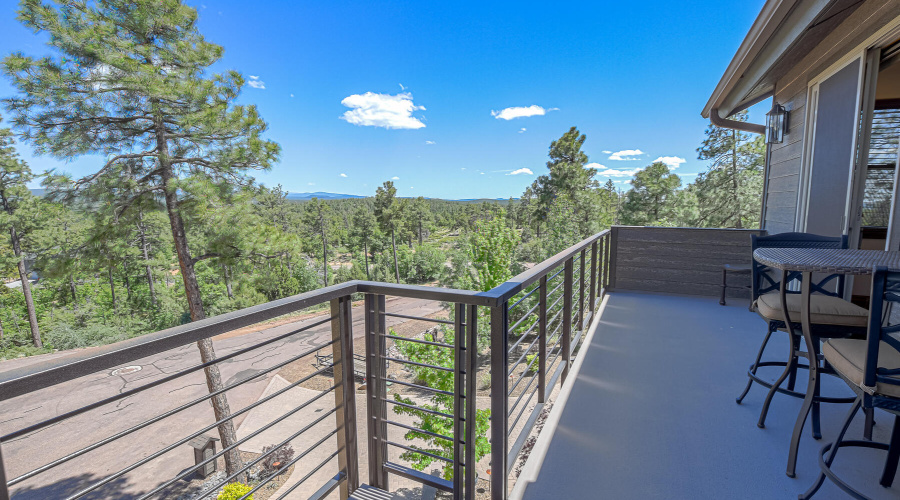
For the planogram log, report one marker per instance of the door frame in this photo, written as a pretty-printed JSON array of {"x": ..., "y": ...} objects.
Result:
[{"x": 884, "y": 35}]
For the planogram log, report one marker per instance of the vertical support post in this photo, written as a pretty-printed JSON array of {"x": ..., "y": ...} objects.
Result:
[
  {"x": 376, "y": 408},
  {"x": 604, "y": 257},
  {"x": 611, "y": 250},
  {"x": 344, "y": 393},
  {"x": 542, "y": 341},
  {"x": 581, "y": 273},
  {"x": 499, "y": 400},
  {"x": 471, "y": 397},
  {"x": 460, "y": 356},
  {"x": 566, "y": 352},
  {"x": 4, "y": 492},
  {"x": 593, "y": 295}
]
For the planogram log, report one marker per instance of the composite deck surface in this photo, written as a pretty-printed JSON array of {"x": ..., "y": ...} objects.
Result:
[{"x": 652, "y": 412}]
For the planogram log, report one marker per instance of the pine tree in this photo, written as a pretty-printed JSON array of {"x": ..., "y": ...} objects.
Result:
[
  {"x": 388, "y": 212},
  {"x": 131, "y": 84},
  {"x": 363, "y": 229},
  {"x": 650, "y": 199},
  {"x": 728, "y": 192},
  {"x": 317, "y": 219},
  {"x": 19, "y": 215}
]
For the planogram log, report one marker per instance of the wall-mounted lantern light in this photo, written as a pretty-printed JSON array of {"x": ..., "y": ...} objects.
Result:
[{"x": 776, "y": 124}]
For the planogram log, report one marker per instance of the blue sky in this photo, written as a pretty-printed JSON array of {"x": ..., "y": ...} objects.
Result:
[{"x": 435, "y": 95}]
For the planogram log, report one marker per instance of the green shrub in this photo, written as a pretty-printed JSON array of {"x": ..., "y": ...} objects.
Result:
[{"x": 234, "y": 491}]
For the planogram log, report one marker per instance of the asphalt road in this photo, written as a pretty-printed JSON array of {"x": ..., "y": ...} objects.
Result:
[{"x": 26, "y": 453}]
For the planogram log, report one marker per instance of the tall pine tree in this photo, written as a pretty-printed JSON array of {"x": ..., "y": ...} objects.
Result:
[{"x": 130, "y": 83}]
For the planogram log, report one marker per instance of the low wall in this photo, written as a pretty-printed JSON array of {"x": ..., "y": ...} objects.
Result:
[{"x": 685, "y": 261}]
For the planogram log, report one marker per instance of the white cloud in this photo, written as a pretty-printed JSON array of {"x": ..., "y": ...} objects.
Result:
[
  {"x": 626, "y": 154},
  {"x": 522, "y": 130},
  {"x": 611, "y": 172},
  {"x": 343, "y": 175},
  {"x": 521, "y": 112},
  {"x": 401, "y": 86},
  {"x": 292, "y": 95},
  {"x": 382, "y": 110},
  {"x": 595, "y": 166},
  {"x": 395, "y": 178},
  {"x": 430, "y": 143},
  {"x": 482, "y": 173},
  {"x": 520, "y": 171},
  {"x": 312, "y": 183},
  {"x": 607, "y": 152},
  {"x": 256, "y": 83},
  {"x": 673, "y": 162}
]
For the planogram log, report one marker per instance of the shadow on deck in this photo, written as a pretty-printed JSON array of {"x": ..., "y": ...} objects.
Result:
[{"x": 651, "y": 413}]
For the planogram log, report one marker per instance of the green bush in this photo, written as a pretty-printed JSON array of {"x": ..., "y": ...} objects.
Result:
[{"x": 234, "y": 491}]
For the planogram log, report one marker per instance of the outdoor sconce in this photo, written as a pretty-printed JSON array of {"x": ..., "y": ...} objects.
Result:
[
  {"x": 776, "y": 124},
  {"x": 204, "y": 448}
]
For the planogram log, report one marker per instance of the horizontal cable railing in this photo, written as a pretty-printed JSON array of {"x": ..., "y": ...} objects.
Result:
[{"x": 533, "y": 324}]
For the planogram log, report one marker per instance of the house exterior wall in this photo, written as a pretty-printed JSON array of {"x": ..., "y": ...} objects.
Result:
[
  {"x": 685, "y": 261},
  {"x": 785, "y": 159}
]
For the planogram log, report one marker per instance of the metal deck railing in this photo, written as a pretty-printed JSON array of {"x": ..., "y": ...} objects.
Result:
[{"x": 536, "y": 322}]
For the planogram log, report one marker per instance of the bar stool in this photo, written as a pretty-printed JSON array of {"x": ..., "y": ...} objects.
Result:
[
  {"x": 871, "y": 367},
  {"x": 831, "y": 316}
]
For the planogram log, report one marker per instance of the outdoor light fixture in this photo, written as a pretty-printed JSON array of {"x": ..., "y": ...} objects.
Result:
[{"x": 776, "y": 124}]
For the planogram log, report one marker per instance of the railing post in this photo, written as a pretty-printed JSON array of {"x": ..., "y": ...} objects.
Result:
[
  {"x": 4, "y": 491},
  {"x": 461, "y": 353},
  {"x": 344, "y": 393},
  {"x": 376, "y": 408},
  {"x": 566, "y": 353},
  {"x": 471, "y": 397},
  {"x": 593, "y": 295},
  {"x": 542, "y": 341},
  {"x": 581, "y": 274},
  {"x": 499, "y": 400}
]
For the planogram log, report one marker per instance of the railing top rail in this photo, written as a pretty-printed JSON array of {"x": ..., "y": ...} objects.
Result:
[
  {"x": 522, "y": 280},
  {"x": 26, "y": 379}
]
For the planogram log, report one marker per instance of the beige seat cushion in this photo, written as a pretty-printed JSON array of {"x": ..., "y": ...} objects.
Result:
[
  {"x": 848, "y": 357},
  {"x": 824, "y": 309}
]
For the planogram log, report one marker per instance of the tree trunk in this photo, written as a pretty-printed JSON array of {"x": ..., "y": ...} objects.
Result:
[
  {"x": 1, "y": 329},
  {"x": 366, "y": 257},
  {"x": 325, "y": 254},
  {"x": 26, "y": 288},
  {"x": 734, "y": 179},
  {"x": 146, "y": 251},
  {"x": 112, "y": 290},
  {"x": 221, "y": 410},
  {"x": 127, "y": 281},
  {"x": 420, "y": 233},
  {"x": 394, "y": 246},
  {"x": 227, "y": 273}
]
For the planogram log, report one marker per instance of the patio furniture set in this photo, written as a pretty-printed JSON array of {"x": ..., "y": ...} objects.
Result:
[{"x": 797, "y": 286}]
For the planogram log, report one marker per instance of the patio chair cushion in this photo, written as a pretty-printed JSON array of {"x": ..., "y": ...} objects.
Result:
[
  {"x": 824, "y": 309},
  {"x": 848, "y": 357}
]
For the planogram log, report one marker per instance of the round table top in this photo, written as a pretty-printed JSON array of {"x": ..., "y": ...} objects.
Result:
[{"x": 827, "y": 260}]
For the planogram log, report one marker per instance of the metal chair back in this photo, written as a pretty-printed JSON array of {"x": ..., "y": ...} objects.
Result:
[
  {"x": 882, "y": 335},
  {"x": 765, "y": 279}
]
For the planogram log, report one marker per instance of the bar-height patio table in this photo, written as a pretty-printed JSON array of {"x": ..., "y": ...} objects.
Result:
[{"x": 808, "y": 261}]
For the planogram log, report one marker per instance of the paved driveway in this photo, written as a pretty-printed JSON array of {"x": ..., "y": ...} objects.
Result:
[{"x": 55, "y": 441}]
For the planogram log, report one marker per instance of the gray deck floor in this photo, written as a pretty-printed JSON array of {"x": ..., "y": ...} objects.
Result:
[{"x": 652, "y": 412}]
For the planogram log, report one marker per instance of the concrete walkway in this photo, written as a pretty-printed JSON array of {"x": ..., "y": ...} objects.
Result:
[{"x": 651, "y": 413}]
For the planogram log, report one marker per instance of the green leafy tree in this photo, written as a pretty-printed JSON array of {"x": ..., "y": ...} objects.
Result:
[
  {"x": 431, "y": 423},
  {"x": 131, "y": 84},
  {"x": 491, "y": 248},
  {"x": 19, "y": 216},
  {"x": 728, "y": 192},
  {"x": 650, "y": 198}
]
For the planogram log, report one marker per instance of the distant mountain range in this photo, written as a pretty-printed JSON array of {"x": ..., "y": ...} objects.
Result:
[
  {"x": 321, "y": 195},
  {"x": 330, "y": 196}
]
